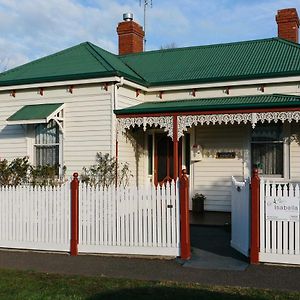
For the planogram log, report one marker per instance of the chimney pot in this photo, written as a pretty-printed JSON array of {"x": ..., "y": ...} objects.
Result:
[
  {"x": 128, "y": 17},
  {"x": 131, "y": 35}
]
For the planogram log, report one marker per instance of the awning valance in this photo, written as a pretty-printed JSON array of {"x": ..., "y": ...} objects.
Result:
[
  {"x": 33, "y": 114},
  {"x": 225, "y": 110}
]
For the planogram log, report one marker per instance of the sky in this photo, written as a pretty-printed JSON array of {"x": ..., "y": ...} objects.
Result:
[{"x": 31, "y": 29}]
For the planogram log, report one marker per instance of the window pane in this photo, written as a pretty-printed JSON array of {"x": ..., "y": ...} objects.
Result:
[
  {"x": 47, "y": 155},
  {"x": 47, "y": 133},
  {"x": 47, "y": 144},
  {"x": 267, "y": 132},
  {"x": 268, "y": 157}
]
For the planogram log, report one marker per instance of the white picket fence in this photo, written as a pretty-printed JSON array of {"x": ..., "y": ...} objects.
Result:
[
  {"x": 35, "y": 218},
  {"x": 124, "y": 220},
  {"x": 129, "y": 220},
  {"x": 240, "y": 216},
  {"x": 279, "y": 222}
]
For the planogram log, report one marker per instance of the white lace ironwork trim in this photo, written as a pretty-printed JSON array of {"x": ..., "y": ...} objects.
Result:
[
  {"x": 188, "y": 121},
  {"x": 165, "y": 122}
]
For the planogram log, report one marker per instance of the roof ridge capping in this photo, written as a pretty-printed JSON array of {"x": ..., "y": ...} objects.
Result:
[
  {"x": 209, "y": 46},
  {"x": 95, "y": 49},
  {"x": 91, "y": 48}
]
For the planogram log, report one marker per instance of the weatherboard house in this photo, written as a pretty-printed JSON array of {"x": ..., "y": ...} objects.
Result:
[{"x": 213, "y": 110}]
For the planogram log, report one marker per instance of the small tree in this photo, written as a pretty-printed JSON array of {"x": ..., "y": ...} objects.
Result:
[{"x": 106, "y": 172}]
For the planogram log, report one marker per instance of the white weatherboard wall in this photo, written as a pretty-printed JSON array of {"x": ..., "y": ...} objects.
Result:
[
  {"x": 131, "y": 150},
  {"x": 295, "y": 152},
  {"x": 219, "y": 91},
  {"x": 87, "y": 122},
  {"x": 212, "y": 176},
  {"x": 131, "y": 144},
  {"x": 128, "y": 97}
]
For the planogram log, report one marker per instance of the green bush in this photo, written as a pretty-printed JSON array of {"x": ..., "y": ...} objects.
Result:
[
  {"x": 19, "y": 171},
  {"x": 107, "y": 171}
]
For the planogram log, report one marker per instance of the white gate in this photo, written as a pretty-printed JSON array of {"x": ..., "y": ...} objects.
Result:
[
  {"x": 279, "y": 222},
  {"x": 129, "y": 220},
  {"x": 35, "y": 217},
  {"x": 240, "y": 216}
]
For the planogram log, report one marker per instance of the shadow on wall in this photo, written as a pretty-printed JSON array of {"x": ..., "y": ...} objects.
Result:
[
  {"x": 136, "y": 139},
  {"x": 12, "y": 132}
]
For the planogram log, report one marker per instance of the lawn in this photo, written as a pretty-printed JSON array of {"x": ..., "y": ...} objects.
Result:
[{"x": 31, "y": 285}]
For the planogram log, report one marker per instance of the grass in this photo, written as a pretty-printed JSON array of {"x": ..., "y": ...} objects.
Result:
[{"x": 31, "y": 285}]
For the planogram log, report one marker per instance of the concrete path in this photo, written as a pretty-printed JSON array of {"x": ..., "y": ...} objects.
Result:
[
  {"x": 202, "y": 259},
  {"x": 211, "y": 249},
  {"x": 261, "y": 276}
]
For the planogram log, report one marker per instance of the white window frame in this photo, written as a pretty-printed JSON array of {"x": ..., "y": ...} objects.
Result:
[
  {"x": 286, "y": 130},
  {"x": 31, "y": 146},
  {"x": 59, "y": 144}
]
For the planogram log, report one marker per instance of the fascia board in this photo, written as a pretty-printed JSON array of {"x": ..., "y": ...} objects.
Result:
[
  {"x": 25, "y": 122},
  {"x": 60, "y": 83}
]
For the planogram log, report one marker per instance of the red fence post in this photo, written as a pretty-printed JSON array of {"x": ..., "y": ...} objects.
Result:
[
  {"x": 74, "y": 214},
  {"x": 255, "y": 234},
  {"x": 185, "y": 241}
]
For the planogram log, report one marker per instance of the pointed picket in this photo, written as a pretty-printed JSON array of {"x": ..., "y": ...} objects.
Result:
[
  {"x": 168, "y": 215},
  {"x": 142, "y": 220}
]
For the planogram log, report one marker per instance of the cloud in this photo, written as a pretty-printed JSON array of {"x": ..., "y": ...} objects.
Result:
[
  {"x": 34, "y": 28},
  {"x": 218, "y": 21}
]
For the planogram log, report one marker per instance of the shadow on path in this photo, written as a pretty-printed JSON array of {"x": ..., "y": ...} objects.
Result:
[{"x": 211, "y": 249}]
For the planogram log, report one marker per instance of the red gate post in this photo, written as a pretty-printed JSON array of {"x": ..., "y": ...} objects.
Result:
[
  {"x": 185, "y": 242},
  {"x": 74, "y": 214},
  {"x": 254, "y": 246}
]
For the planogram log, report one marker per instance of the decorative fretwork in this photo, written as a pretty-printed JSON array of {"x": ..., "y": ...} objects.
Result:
[
  {"x": 279, "y": 116},
  {"x": 165, "y": 122},
  {"x": 188, "y": 121}
]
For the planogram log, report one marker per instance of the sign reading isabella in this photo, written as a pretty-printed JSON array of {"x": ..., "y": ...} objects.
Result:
[{"x": 282, "y": 208}]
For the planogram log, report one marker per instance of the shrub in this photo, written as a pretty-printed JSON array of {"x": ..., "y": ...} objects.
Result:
[
  {"x": 20, "y": 171},
  {"x": 106, "y": 172}
]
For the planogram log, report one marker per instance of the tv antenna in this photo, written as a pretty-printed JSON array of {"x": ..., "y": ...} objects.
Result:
[{"x": 146, "y": 4}]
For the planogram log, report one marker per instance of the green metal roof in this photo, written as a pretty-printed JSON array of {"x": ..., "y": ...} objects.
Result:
[
  {"x": 38, "y": 113},
  {"x": 233, "y": 61},
  {"x": 204, "y": 104},
  {"x": 79, "y": 62},
  {"x": 214, "y": 63}
]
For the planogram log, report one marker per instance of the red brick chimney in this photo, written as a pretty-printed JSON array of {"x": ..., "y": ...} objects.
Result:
[
  {"x": 288, "y": 24},
  {"x": 131, "y": 35}
]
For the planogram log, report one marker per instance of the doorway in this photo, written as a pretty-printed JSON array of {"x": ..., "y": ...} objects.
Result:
[{"x": 164, "y": 158}]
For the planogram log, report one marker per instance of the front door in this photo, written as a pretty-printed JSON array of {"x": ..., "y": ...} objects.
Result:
[{"x": 163, "y": 163}]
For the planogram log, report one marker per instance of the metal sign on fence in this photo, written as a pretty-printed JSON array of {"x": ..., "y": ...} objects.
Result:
[{"x": 282, "y": 208}]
